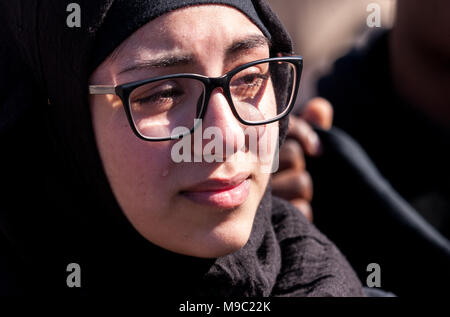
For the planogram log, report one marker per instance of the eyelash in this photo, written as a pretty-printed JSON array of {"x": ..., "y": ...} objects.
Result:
[{"x": 166, "y": 93}]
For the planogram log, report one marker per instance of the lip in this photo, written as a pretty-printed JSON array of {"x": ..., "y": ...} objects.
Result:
[{"x": 220, "y": 192}]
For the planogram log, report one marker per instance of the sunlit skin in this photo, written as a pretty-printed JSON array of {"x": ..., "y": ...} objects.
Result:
[{"x": 148, "y": 185}]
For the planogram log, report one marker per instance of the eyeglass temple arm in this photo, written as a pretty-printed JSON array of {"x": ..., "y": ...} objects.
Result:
[{"x": 101, "y": 90}]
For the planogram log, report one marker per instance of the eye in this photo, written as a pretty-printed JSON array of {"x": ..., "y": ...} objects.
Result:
[
  {"x": 163, "y": 95},
  {"x": 157, "y": 97},
  {"x": 247, "y": 86}
]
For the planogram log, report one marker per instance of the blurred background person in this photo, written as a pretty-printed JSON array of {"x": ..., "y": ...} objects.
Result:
[
  {"x": 392, "y": 96},
  {"x": 322, "y": 31},
  {"x": 390, "y": 93}
]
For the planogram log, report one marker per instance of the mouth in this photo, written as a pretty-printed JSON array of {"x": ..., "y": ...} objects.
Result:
[{"x": 220, "y": 192}]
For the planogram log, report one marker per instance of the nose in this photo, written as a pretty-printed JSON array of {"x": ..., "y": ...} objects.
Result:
[{"x": 220, "y": 129}]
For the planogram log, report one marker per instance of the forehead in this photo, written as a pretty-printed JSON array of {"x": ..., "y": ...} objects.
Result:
[{"x": 199, "y": 29}]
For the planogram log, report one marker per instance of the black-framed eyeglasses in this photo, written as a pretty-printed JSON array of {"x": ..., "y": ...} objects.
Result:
[{"x": 259, "y": 92}]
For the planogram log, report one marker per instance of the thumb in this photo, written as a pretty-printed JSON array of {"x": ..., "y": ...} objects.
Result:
[{"x": 318, "y": 112}]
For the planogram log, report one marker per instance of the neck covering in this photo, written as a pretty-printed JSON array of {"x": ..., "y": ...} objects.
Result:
[{"x": 58, "y": 207}]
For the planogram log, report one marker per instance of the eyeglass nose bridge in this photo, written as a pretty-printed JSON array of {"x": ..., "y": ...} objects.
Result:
[{"x": 212, "y": 83}]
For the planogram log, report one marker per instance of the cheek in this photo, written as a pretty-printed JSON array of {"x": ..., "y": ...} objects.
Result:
[{"x": 137, "y": 170}]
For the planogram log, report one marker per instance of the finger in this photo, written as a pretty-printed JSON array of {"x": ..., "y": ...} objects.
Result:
[
  {"x": 304, "y": 207},
  {"x": 291, "y": 156},
  {"x": 318, "y": 112},
  {"x": 290, "y": 184},
  {"x": 303, "y": 133}
]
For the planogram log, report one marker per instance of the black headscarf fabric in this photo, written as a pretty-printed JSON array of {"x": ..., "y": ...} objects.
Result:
[{"x": 58, "y": 208}]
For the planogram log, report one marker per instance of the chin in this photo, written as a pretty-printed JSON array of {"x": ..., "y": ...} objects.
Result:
[{"x": 223, "y": 240}]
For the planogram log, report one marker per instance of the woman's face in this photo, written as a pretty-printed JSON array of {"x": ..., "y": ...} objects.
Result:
[{"x": 195, "y": 208}]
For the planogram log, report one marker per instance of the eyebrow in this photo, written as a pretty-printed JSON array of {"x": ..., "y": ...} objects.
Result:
[
  {"x": 247, "y": 43},
  {"x": 163, "y": 61},
  {"x": 172, "y": 60}
]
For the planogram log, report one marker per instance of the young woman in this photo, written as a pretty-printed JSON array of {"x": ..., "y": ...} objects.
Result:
[{"x": 92, "y": 118}]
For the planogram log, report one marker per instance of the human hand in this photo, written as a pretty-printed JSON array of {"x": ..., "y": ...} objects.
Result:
[{"x": 292, "y": 181}]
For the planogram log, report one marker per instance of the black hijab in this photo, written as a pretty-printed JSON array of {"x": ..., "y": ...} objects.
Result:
[{"x": 58, "y": 208}]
